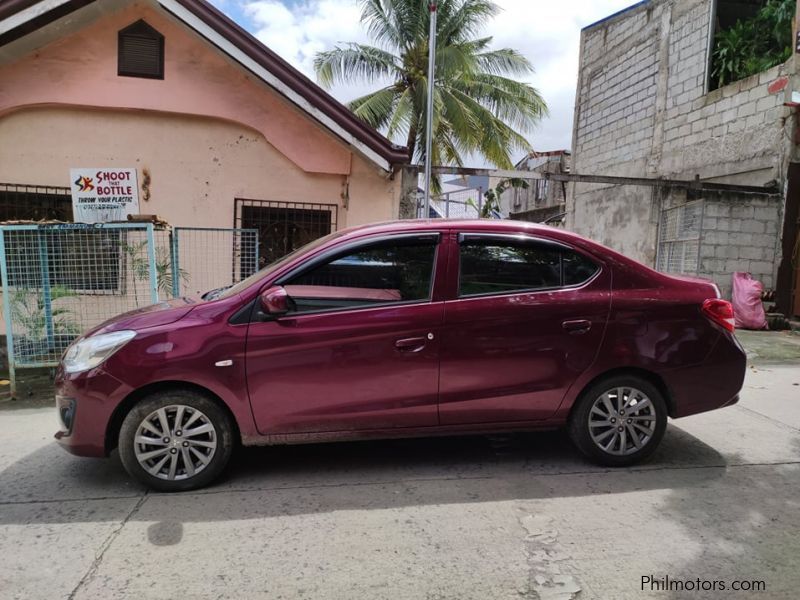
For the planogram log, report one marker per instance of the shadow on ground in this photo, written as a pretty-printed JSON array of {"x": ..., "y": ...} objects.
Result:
[{"x": 50, "y": 486}]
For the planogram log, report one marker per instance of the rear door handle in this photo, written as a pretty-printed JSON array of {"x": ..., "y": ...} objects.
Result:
[
  {"x": 411, "y": 345},
  {"x": 577, "y": 326}
]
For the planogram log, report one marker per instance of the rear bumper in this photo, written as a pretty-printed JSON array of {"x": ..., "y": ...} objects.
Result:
[
  {"x": 715, "y": 383},
  {"x": 85, "y": 403}
]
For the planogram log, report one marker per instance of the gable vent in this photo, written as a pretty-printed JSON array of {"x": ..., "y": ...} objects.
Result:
[{"x": 141, "y": 52}]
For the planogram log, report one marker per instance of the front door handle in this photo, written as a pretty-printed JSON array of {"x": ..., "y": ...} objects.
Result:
[
  {"x": 411, "y": 345},
  {"x": 577, "y": 326}
]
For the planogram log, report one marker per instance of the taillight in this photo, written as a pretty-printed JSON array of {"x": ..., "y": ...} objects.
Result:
[{"x": 720, "y": 312}]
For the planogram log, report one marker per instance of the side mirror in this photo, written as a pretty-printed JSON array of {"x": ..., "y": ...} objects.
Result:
[{"x": 275, "y": 301}]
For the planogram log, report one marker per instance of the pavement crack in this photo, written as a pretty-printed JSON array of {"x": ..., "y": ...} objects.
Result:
[
  {"x": 767, "y": 418},
  {"x": 546, "y": 578},
  {"x": 283, "y": 488},
  {"x": 62, "y": 500},
  {"x": 313, "y": 486},
  {"x": 98, "y": 559}
]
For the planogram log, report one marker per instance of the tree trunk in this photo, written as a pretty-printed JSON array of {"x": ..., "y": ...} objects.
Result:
[{"x": 411, "y": 142}]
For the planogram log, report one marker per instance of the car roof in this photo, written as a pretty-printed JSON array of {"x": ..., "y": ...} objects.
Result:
[
  {"x": 498, "y": 226},
  {"x": 492, "y": 225}
]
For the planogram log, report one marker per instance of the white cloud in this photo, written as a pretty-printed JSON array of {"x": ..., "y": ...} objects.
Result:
[
  {"x": 546, "y": 31},
  {"x": 297, "y": 32}
]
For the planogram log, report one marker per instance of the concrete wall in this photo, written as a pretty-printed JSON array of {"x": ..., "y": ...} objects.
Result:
[
  {"x": 197, "y": 165},
  {"x": 207, "y": 132},
  {"x": 741, "y": 235},
  {"x": 81, "y": 70},
  {"x": 539, "y": 193},
  {"x": 643, "y": 110}
]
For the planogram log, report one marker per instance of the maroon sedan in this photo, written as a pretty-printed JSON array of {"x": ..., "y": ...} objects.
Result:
[{"x": 404, "y": 329}]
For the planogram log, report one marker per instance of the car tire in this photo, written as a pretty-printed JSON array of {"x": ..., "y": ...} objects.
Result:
[
  {"x": 604, "y": 435},
  {"x": 177, "y": 460}
]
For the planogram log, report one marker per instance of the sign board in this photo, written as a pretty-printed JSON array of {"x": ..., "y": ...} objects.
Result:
[{"x": 103, "y": 195}]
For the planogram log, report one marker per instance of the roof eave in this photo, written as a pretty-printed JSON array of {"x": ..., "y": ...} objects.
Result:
[
  {"x": 292, "y": 78},
  {"x": 21, "y": 17}
]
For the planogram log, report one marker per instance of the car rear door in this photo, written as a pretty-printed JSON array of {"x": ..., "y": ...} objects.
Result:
[
  {"x": 360, "y": 349},
  {"x": 527, "y": 317}
]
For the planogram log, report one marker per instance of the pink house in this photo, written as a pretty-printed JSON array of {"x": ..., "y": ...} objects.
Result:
[{"x": 221, "y": 131}]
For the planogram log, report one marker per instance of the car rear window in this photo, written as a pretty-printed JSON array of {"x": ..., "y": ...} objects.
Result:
[
  {"x": 489, "y": 266},
  {"x": 576, "y": 268}
]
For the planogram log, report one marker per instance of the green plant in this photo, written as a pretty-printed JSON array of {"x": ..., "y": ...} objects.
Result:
[
  {"x": 755, "y": 44},
  {"x": 492, "y": 196},
  {"x": 140, "y": 267},
  {"x": 164, "y": 272},
  {"x": 482, "y": 106},
  {"x": 29, "y": 312}
]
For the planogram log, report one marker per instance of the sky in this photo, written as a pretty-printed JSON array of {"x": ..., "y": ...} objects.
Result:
[{"x": 547, "y": 32}]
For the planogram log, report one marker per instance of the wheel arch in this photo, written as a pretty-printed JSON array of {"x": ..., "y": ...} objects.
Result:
[
  {"x": 650, "y": 376},
  {"x": 124, "y": 407}
]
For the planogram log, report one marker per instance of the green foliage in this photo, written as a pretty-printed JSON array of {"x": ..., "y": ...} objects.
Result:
[
  {"x": 140, "y": 267},
  {"x": 480, "y": 104},
  {"x": 491, "y": 196},
  {"x": 164, "y": 272},
  {"x": 755, "y": 44},
  {"x": 28, "y": 312}
]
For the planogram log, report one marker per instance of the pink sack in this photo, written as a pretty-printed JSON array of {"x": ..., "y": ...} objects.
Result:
[{"x": 748, "y": 312}]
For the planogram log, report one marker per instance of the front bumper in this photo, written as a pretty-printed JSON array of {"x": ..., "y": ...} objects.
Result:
[{"x": 85, "y": 403}]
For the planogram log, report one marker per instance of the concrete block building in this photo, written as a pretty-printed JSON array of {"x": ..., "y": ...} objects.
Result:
[
  {"x": 543, "y": 199},
  {"x": 646, "y": 107}
]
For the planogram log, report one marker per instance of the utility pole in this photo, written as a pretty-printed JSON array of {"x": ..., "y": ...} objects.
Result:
[{"x": 429, "y": 112}]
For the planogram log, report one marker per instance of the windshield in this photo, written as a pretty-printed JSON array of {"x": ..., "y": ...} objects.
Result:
[{"x": 265, "y": 271}]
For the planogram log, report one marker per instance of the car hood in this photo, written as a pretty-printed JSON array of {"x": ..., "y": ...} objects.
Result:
[{"x": 153, "y": 315}]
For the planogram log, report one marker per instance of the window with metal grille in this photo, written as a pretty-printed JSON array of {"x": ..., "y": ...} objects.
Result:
[
  {"x": 679, "y": 238},
  {"x": 541, "y": 187},
  {"x": 89, "y": 266},
  {"x": 34, "y": 203},
  {"x": 140, "y": 52},
  {"x": 283, "y": 226}
]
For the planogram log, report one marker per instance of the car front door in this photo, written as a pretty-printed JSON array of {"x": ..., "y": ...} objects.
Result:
[
  {"x": 359, "y": 348},
  {"x": 528, "y": 318}
]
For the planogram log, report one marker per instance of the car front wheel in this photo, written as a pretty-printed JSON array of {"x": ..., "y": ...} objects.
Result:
[
  {"x": 619, "y": 421},
  {"x": 176, "y": 440}
]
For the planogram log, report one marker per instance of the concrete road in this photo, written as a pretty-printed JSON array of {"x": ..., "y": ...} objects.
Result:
[{"x": 506, "y": 517}]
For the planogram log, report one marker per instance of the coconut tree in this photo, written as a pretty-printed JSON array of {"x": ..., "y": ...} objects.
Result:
[{"x": 481, "y": 106}]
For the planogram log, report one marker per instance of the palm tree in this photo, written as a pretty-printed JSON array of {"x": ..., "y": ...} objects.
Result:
[{"x": 479, "y": 105}]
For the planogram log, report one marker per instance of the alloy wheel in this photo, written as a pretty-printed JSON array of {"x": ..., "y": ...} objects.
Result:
[
  {"x": 622, "y": 421},
  {"x": 175, "y": 442}
]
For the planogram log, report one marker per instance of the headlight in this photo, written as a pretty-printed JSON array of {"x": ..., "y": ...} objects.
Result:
[{"x": 90, "y": 352}]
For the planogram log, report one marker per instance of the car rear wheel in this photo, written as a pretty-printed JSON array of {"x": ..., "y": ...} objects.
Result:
[
  {"x": 176, "y": 440},
  {"x": 619, "y": 421}
]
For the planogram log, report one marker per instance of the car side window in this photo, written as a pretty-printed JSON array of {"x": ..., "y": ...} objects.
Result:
[
  {"x": 383, "y": 273},
  {"x": 490, "y": 266},
  {"x": 576, "y": 268}
]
